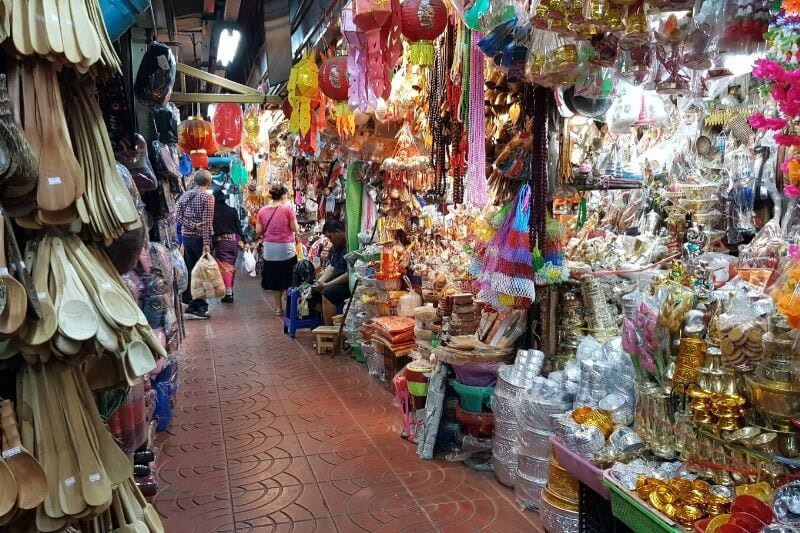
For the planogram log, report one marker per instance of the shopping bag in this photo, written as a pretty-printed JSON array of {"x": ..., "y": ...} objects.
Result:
[
  {"x": 207, "y": 279},
  {"x": 249, "y": 263}
]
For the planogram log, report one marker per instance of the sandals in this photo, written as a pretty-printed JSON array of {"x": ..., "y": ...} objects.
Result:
[{"x": 279, "y": 312}]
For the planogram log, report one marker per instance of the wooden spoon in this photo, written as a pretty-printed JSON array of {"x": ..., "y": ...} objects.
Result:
[
  {"x": 119, "y": 514},
  {"x": 114, "y": 303},
  {"x": 130, "y": 511},
  {"x": 139, "y": 359},
  {"x": 41, "y": 331},
  {"x": 19, "y": 28},
  {"x": 71, "y": 51},
  {"x": 76, "y": 319},
  {"x": 31, "y": 481},
  {"x": 149, "y": 513},
  {"x": 85, "y": 32},
  {"x": 37, "y": 28},
  {"x": 13, "y": 315},
  {"x": 95, "y": 485},
  {"x": 52, "y": 27}
]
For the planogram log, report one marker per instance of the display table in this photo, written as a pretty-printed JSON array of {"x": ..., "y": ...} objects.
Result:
[
  {"x": 594, "y": 505},
  {"x": 634, "y": 513},
  {"x": 587, "y": 473}
]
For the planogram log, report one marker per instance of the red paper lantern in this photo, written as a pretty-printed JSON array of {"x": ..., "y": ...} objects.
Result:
[
  {"x": 423, "y": 22},
  {"x": 199, "y": 159},
  {"x": 196, "y": 134},
  {"x": 333, "y": 78},
  {"x": 227, "y": 121}
]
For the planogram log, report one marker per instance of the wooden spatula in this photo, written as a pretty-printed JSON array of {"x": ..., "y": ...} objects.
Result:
[
  {"x": 95, "y": 485},
  {"x": 31, "y": 481},
  {"x": 69, "y": 41},
  {"x": 69, "y": 478},
  {"x": 117, "y": 464},
  {"x": 149, "y": 513},
  {"x": 58, "y": 168}
]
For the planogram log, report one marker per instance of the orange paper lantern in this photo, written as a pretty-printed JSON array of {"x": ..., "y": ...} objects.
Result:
[{"x": 196, "y": 134}]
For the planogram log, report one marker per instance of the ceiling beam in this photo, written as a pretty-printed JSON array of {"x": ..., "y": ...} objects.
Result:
[
  {"x": 219, "y": 81},
  {"x": 231, "y": 11},
  {"x": 218, "y": 98}
]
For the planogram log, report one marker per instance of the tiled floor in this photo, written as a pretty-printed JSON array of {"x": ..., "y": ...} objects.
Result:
[{"x": 268, "y": 436}]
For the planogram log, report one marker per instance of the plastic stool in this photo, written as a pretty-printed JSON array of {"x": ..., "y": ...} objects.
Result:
[{"x": 292, "y": 321}]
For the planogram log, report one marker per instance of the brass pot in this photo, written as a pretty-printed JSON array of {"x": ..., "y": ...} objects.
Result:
[{"x": 777, "y": 401}]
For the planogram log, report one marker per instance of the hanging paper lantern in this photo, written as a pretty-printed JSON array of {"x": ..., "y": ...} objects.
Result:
[
  {"x": 370, "y": 16},
  {"x": 227, "y": 123},
  {"x": 252, "y": 126},
  {"x": 423, "y": 21},
  {"x": 359, "y": 95},
  {"x": 335, "y": 85},
  {"x": 196, "y": 134},
  {"x": 303, "y": 86},
  {"x": 199, "y": 159}
]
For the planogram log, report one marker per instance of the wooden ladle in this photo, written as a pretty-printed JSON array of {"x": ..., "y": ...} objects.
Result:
[
  {"x": 76, "y": 319},
  {"x": 31, "y": 481},
  {"x": 8, "y": 489}
]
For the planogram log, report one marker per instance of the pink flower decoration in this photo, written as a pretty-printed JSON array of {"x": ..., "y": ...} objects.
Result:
[
  {"x": 768, "y": 70},
  {"x": 787, "y": 140},
  {"x": 792, "y": 190},
  {"x": 759, "y": 121}
]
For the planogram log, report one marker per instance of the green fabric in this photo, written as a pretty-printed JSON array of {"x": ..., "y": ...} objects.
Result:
[{"x": 352, "y": 198}]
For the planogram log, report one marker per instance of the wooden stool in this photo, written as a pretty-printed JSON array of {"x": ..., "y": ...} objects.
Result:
[{"x": 327, "y": 338}]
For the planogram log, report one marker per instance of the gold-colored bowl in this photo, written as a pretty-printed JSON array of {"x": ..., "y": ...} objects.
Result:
[
  {"x": 702, "y": 191},
  {"x": 776, "y": 400}
]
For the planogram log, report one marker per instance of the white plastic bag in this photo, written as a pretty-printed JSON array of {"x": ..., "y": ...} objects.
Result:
[{"x": 249, "y": 263}]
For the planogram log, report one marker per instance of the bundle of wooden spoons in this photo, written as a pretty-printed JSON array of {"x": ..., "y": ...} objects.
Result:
[
  {"x": 107, "y": 207},
  {"x": 70, "y": 32},
  {"x": 78, "y": 454},
  {"x": 60, "y": 181},
  {"x": 129, "y": 512},
  {"x": 87, "y": 310},
  {"x": 28, "y": 475}
]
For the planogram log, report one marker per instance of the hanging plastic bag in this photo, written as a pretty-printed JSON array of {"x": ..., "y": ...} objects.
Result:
[
  {"x": 156, "y": 74},
  {"x": 249, "y": 263},
  {"x": 207, "y": 279}
]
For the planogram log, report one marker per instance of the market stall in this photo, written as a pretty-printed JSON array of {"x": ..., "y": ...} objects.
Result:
[{"x": 577, "y": 246}]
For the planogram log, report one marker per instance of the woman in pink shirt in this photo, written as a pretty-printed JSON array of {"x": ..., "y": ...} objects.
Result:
[{"x": 277, "y": 224}]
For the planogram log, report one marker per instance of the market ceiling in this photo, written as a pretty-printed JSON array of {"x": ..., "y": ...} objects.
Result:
[{"x": 264, "y": 53}]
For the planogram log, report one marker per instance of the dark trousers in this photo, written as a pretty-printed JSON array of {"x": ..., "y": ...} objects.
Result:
[{"x": 192, "y": 251}]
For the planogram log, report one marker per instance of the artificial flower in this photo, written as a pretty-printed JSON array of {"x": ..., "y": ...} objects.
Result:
[
  {"x": 767, "y": 69},
  {"x": 785, "y": 139},
  {"x": 792, "y": 190},
  {"x": 759, "y": 121}
]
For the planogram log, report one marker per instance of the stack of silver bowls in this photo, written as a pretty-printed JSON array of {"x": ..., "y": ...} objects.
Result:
[
  {"x": 535, "y": 426},
  {"x": 512, "y": 382}
]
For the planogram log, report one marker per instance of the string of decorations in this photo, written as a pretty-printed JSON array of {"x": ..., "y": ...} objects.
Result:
[
  {"x": 476, "y": 193},
  {"x": 538, "y": 220}
]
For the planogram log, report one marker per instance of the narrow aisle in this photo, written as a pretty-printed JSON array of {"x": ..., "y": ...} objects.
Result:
[{"x": 268, "y": 436}]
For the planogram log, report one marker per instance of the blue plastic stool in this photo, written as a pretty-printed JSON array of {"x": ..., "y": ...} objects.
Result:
[{"x": 292, "y": 321}]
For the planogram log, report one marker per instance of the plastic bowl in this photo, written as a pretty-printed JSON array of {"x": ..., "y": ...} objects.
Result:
[
  {"x": 473, "y": 399},
  {"x": 477, "y": 374}
]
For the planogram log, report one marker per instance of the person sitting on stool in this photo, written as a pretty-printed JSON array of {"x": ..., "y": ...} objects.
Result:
[{"x": 333, "y": 284}]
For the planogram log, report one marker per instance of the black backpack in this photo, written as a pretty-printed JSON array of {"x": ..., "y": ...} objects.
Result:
[{"x": 304, "y": 272}]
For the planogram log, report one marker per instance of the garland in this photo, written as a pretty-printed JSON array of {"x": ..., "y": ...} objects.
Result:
[{"x": 476, "y": 193}]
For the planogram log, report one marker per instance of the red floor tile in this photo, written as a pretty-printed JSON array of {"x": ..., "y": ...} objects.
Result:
[{"x": 270, "y": 437}]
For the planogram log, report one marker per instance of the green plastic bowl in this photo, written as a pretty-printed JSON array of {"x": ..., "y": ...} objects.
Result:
[
  {"x": 472, "y": 398},
  {"x": 417, "y": 389}
]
